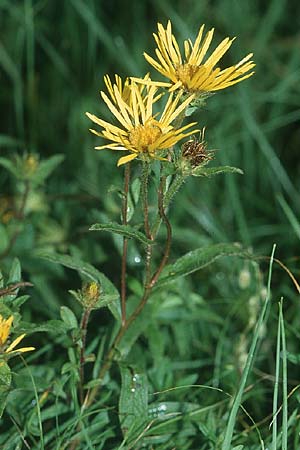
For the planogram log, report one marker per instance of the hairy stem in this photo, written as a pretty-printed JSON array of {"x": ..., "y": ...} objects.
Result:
[
  {"x": 12, "y": 288},
  {"x": 164, "y": 218},
  {"x": 83, "y": 327},
  {"x": 125, "y": 244},
  {"x": 91, "y": 395},
  {"x": 167, "y": 197},
  {"x": 145, "y": 205},
  {"x": 144, "y": 195}
]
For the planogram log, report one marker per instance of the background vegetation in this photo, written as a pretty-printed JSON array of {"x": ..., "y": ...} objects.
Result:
[{"x": 53, "y": 56}]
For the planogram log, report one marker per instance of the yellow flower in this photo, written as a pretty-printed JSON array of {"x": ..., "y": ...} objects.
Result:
[
  {"x": 194, "y": 73},
  {"x": 5, "y": 326},
  {"x": 140, "y": 131}
]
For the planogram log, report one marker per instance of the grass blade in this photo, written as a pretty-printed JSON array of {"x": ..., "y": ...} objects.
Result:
[
  {"x": 238, "y": 396},
  {"x": 276, "y": 386},
  {"x": 284, "y": 381}
]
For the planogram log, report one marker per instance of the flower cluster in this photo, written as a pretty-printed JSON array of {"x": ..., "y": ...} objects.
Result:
[{"x": 192, "y": 75}]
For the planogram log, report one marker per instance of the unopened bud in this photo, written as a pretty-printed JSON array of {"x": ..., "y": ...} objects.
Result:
[
  {"x": 30, "y": 165},
  {"x": 91, "y": 294}
]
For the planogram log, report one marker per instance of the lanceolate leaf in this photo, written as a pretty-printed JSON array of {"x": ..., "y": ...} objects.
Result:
[
  {"x": 202, "y": 171},
  {"x": 133, "y": 404},
  {"x": 197, "y": 259},
  {"x": 5, "y": 381},
  {"x": 124, "y": 230},
  {"x": 45, "y": 168},
  {"x": 10, "y": 166}
]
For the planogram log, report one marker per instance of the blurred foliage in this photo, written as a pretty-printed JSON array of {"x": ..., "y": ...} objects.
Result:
[{"x": 54, "y": 186}]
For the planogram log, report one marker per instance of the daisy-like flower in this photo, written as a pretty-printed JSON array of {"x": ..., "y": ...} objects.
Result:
[
  {"x": 5, "y": 326},
  {"x": 140, "y": 131},
  {"x": 196, "y": 73}
]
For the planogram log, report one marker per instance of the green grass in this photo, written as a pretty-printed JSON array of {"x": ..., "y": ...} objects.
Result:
[{"x": 200, "y": 331}]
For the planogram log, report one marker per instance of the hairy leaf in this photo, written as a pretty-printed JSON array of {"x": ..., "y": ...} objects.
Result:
[
  {"x": 202, "y": 171},
  {"x": 124, "y": 230},
  {"x": 197, "y": 259}
]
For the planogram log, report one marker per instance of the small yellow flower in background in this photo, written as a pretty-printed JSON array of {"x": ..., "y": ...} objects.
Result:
[
  {"x": 5, "y": 326},
  {"x": 140, "y": 131},
  {"x": 193, "y": 73}
]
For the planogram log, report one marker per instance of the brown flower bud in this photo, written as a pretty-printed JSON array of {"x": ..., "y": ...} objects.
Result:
[{"x": 195, "y": 152}]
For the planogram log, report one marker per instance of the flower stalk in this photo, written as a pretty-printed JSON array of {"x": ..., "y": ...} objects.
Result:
[{"x": 125, "y": 244}]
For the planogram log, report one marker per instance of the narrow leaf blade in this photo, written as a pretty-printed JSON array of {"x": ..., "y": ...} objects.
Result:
[
  {"x": 197, "y": 259},
  {"x": 203, "y": 171},
  {"x": 125, "y": 230}
]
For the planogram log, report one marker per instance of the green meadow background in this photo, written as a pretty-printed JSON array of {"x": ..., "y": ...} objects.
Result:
[{"x": 53, "y": 56}]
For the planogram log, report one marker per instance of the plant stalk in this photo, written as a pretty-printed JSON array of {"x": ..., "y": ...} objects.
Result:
[{"x": 125, "y": 244}]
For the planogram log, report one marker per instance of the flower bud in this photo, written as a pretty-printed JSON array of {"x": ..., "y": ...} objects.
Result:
[
  {"x": 195, "y": 152},
  {"x": 89, "y": 295}
]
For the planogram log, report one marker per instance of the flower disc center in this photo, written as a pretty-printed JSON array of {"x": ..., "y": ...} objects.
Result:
[{"x": 143, "y": 136}]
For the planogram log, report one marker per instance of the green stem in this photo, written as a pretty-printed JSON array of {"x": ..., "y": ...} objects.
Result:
[
  {"x": 83, "y": 327},
  {"x": 144, "y": 195},
  {"x": 125, "y": 244},
  {"x": 91, "y": 395},
  {"x": 174, "y": 187},
  {"x": 164, "y": 218},
  {"x": 145, "y": 206}
]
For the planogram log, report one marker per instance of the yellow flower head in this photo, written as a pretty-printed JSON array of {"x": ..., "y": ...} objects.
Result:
[
  {"x": 140, "y": 131},
  {"x": 5, "y": 326},
  {"x": 196, "y": 73}
]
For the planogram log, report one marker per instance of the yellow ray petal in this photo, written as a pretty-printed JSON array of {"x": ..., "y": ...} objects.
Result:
[
  {"x": 115, "y": 111},
  {"x": 219, "y": 52},
  {"x": 126, "y": 159},
  {"x": 23, "y": 350},
  {"x": 198, "y": 54},
  {"x": 14, "y": 343}
]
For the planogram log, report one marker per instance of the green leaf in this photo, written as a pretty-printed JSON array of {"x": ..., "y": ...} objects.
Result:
[
  {"x": 133, "y": 403},
  {"x": 3, "y": 239},
  {"x": 197, "y": 259},
  {"x": 135, "y": 190},
  {"x": 14, "y": 277},
  {"x": 68, "y": 317},
  {"x": 15, "y": 272},
  {"x": 5, "y": 382},
  {"x": 45, "y": 168},
  {"x": 10, "y": 166},
  {"x": 124, "y": 230},
  {"x": 20, "y": 301},
  {"x": 51, "y": 326},
  {"x": 293, "y": 358},
  {"x": 202, "y": 171},
  {"x": 8, "y": 141},
  {"x": 109, "y": 294}
]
